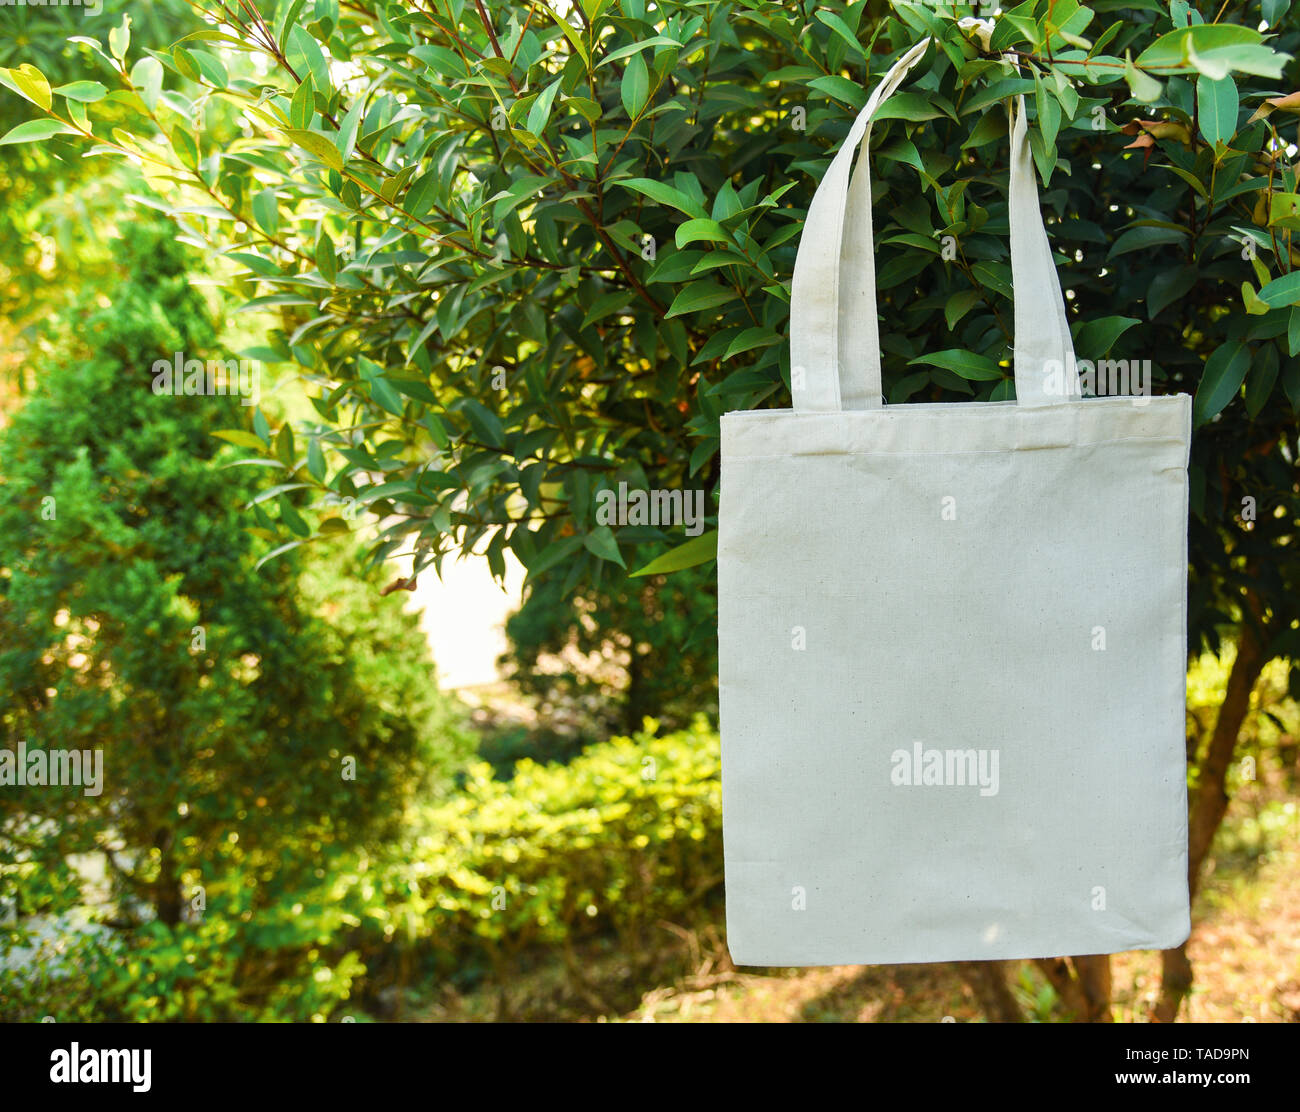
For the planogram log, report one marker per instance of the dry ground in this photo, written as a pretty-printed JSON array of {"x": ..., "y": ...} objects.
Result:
[{"x": 1245, "y": 950}]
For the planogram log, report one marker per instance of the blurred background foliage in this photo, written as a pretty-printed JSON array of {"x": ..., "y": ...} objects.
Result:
[
  {"x": 57, "y": 202},
  {"x": 495, "y": 260}
]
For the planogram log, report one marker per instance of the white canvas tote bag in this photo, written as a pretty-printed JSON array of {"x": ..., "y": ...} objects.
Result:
[{"x": 952, "y": 637}]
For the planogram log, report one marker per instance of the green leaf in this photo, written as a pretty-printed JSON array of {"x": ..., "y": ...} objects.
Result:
[
  {"x": 842, "y": 89},
  {"x": 1225, "y": 371},
  {"x": 147, "y": 77},
  {"x": 485, "y": 424},
  {"x": 318, "y": 145},
  {"x": 540, "y": 112},
  {"x": 1274, "y": 10},
  {"x": 302, "y": 107},
  {"x": 1213, "y": 49},
  {"x": 999, "y": 90},
  {"x": 1191, "y": 179},
  {"x": 605, "y": 304},
  {"x": 908, "y": 385},
  {"x": 716, "y": 345},
  {"x": 903, "y": 150},
  {"x": 698, "y": 296},
  {"x": 698, "y": 550},
  {"x": 1254, "y": 307},
  {"x": 1261, "y": 379},
  {"x": 315, "y": 460},
  {"x": 279, "y": 551},
  {"x": 840, "y": 28},
  {"x": 212, "y": 68},
  {"x": 913, "y": 239},
  {"x": 415, "y": 388},
  {"x": 266, "y": 211},
  {"x": 284, "y": 445},
  {"x": 1291, "y": 384},
  {"x": 624, "y": 51},
  {"x": 119, "y": 38},
  {"x": 551, "y": 555},
  {"x": 1282, "y": 291},
  {"x": 241, "y": 438},
  {"x": 381, "y": 390},
  {"x": 958, "y": 306},
  {"x": 995, "y": 275},
  {"x": 87, "y": 92},
  {"x": 664, "y": 195},
  {"x": 1224, "y": 192},
  {"x": 600, "y": 541},
  {"x": 991, "y": 127},
  {"x": 1284, "y": 211},
  {"x": 1094, "y": 339},
  {"x": 749, "y": 339},
  {"x": 1216, "y": 105},
  {"x": 304, "y": 54},
  {"x": 701, "y": 228},
  {"x": 1143, "y": 86},
  {"x": 31, "y": 83},
  {"x": 914, "y": 107},
  {"x": 1168, "y": 286},
  {"x": 635, "y": 89},
  {"x": 348, "y": 127},
  {"x": 286, "y": 20},
  {"x": 1049, "y": 113},
  {"x": 35, "y": 130},
  {"x": 184, "y": 61},
  {"x": 977, "y": 368},
  {"x": 326, "y": 262},
  {"x": 275, "y": 491},
  {"x": 575, "y": 39},
  {"x": 1144, "y": 237},
  {"x": 524, "y": 189}
]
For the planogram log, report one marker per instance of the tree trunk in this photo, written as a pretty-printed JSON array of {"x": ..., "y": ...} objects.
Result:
[
  {"x": 1093, "y": 972},
  {"x": 1082, "y": 984},
  {"x": 1175, "y": 983},
  {"x": 1061, "y": 977},
  {"x": 167, "y": 897},
  {"x": 988, "y": 980},
  {"x": 1211, "y": 803}
]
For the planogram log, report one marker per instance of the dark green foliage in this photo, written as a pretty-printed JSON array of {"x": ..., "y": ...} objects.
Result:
[{"x": 645, "y": 648}]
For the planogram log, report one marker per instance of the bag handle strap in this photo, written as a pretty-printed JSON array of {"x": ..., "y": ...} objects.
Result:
[
  {"x": 1044, "y": 353},
  {"x": 834, "y": 323}
]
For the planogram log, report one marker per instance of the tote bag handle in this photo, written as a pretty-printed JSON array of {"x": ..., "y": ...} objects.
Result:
[{"x": 835, "y": 340}]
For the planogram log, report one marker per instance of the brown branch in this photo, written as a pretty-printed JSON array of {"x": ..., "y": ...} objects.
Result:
[
  {"x": 1211, "y": 800},
  {"x": 492, "y": 37}
]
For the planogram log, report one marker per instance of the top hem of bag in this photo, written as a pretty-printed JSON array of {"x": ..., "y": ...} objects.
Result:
[{"x": 1125, "y": 401}]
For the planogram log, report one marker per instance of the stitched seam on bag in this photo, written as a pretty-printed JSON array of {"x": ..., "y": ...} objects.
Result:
[
  {"x": 907, "y": 408},
  {"x": 960, "y": 451}
]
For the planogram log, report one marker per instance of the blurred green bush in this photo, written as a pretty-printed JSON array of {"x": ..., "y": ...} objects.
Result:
[
  {"x": 254, "y": 723},
  {"x": 625, "y": 836}
]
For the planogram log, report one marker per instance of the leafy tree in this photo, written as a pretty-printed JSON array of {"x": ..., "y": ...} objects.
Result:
[
  {"x": 252, "y": 724},
  {"x": 636, "y": 651},
  {"x": 523, "y": 256}
]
